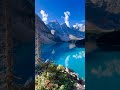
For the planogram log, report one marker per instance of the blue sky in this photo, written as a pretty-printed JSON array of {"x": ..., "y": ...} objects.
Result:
[{"x": 56, "y": 8}]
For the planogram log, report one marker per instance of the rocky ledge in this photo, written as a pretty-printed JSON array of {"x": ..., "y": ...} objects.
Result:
[{"x": 56, "y": 77}]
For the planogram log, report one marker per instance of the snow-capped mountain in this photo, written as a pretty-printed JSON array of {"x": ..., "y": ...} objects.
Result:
[
  {"x": 64, "y": 32},
  {"x": 54, "y": 32},
  {"x": 57, "y": 30},
  {"x": 80, "y": 27},
  {"x": 54, "y": 25}
]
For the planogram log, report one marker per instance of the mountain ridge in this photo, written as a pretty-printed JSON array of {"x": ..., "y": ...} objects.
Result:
[
  {"x": 62, "y": 30},
  {"x": 53, "y": 32}
]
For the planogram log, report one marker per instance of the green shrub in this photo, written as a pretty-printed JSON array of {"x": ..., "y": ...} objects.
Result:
[{"x": 53, "y": 77}]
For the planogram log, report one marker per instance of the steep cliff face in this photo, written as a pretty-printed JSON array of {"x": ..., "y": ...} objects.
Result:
[
  {"x": 44, "y": 33},
  {"x": 63, "y": 31}
]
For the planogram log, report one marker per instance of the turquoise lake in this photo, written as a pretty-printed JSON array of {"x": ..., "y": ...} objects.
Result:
[{"x": 67, "y": 55}]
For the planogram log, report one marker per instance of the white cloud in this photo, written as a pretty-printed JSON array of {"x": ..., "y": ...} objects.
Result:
[
  {"x": 44, "y": 16},
  {"x": 66, "y": 18}
]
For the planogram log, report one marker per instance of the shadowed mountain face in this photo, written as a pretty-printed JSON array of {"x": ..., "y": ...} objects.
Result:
[
  {"x": 63, "y": 31},
  {"x": 44, "y": 33},
  {"x": 105, "y": 13},
  {"x": 54, "y": 32}
]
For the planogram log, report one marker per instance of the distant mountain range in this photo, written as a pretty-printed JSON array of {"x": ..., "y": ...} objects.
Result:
[
  {"x": 64, "y": 32},
  {"x": 54, "y": 32}
]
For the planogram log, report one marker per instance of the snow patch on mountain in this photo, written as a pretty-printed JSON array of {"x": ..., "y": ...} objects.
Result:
[
  {"x": 64, "y": 32},
  {"x": 80, "y": 27}
]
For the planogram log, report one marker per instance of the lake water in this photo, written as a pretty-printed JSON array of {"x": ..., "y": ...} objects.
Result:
[
  {"x": 67, "y": 55},
  {"x": 103, "y": 70}
]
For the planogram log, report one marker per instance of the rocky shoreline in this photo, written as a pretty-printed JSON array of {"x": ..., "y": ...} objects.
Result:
[{"x": 56, "y": 77}]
